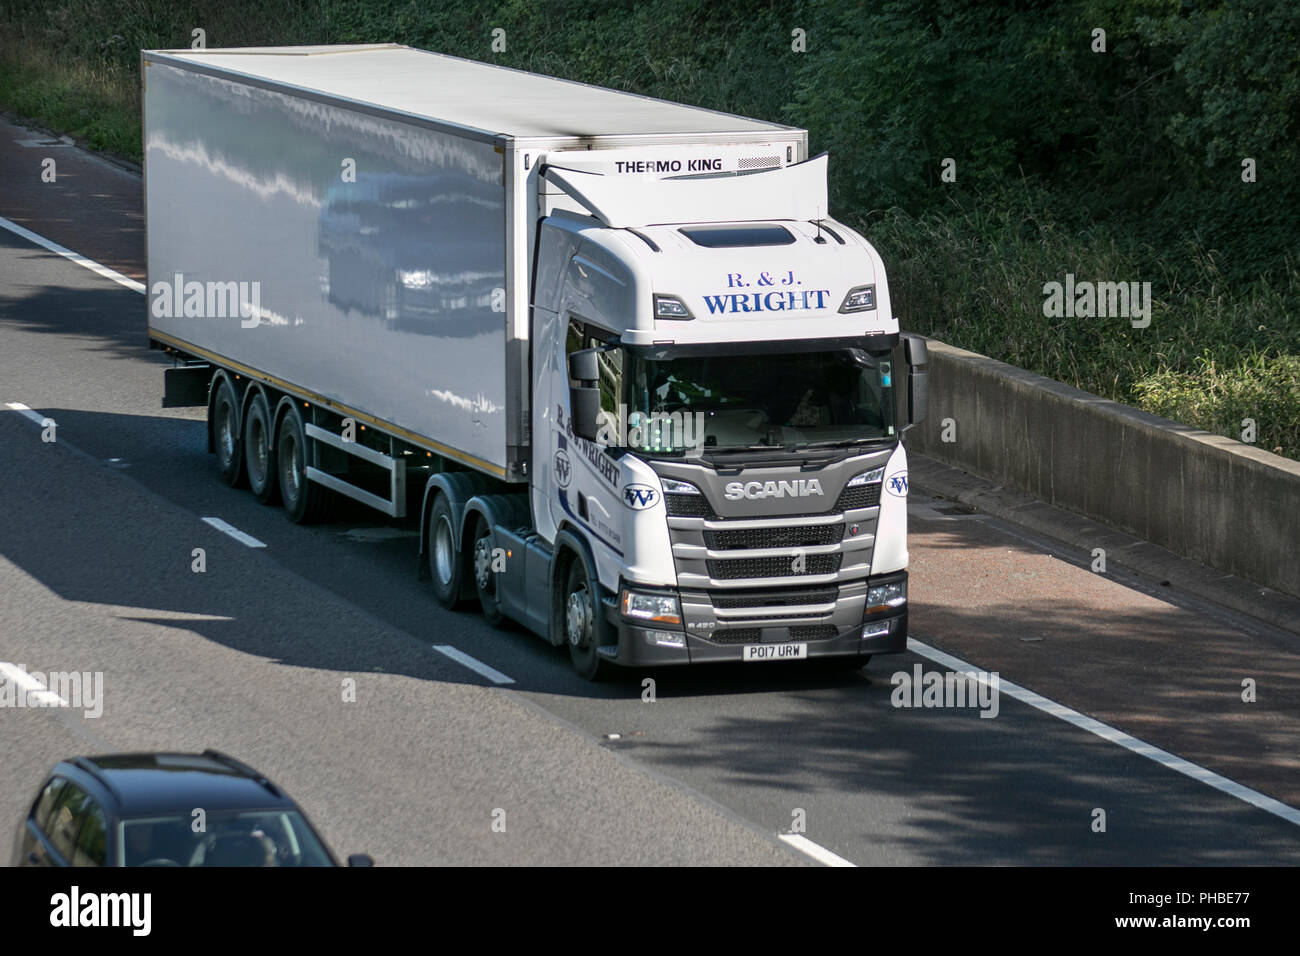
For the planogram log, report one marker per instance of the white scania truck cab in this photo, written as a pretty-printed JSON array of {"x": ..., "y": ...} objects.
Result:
[
  {"x": 646, "y": 394},
  {"x": 715, "y": 424}
]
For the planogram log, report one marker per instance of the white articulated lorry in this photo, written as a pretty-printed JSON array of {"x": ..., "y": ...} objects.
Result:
[{"x": 636, "y": 383}]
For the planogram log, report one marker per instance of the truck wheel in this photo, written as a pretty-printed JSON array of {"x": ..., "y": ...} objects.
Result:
[
  {"x": 485, "y": 578},
  {"x": 304, "y": 501},
  {"x": 259, "y": 458},
  {"x": 584, "y": 628},
  {"x": 446, "y": 564},
  {"x": 225, "y": 435}
]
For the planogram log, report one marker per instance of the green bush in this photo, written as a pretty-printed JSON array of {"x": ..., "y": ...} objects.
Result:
[
  {"x": 1220, "y": 397},
  {"x": 1117, "y": 166},
  {"x": 974, "y": 277}
]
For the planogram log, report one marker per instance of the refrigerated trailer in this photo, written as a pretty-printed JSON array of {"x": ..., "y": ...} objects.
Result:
[{"x": 635, "y": 384}]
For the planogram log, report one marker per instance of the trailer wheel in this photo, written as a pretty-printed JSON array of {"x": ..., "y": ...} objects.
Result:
[
  {"x": 446, "y": 563},
  {"x": 584, "y": 629},
  {"x": 225, "y": 435},
  {"x": 485, "y": 578},
  {"x": 304, "y": 501},
  {"x": 259, "y": 456}
]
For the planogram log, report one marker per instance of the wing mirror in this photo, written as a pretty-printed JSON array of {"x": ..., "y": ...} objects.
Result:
[
  {"x": 584, "y": 397},
  {"x": 918, "y": 378}
]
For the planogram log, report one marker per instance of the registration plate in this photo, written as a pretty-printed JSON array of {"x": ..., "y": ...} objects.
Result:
[{"x": 775, "y": 652}]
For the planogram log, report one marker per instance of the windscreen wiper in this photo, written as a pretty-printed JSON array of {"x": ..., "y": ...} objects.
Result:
[
  {"x": 839, "y": 442},
  {"x": 740, "y": 449}
]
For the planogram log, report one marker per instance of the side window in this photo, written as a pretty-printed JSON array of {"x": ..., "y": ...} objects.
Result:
[
  {"x": 66, "y": 818},
  {"x": 573, "y": 341},
  {"x": 584, "y": 336},
  {"x": 611, "y": 379},
  {"x": 45, "y": 803},
  {"x": 92, "y": 843}
]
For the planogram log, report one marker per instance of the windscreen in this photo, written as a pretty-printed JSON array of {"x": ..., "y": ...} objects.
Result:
[
  {"x": 696, "y": 404},
  {"x": 245, "y": 838}
]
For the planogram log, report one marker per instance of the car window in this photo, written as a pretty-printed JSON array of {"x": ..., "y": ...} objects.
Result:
[
  {"x": 45, "y": 803},
  {"x": 238, "y": 838},
  {"x": 92, "y": 842},
  {"x": 66, "y": 818}
]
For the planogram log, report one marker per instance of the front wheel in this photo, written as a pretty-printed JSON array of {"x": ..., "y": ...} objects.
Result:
[{"x": 584, "y": 629}]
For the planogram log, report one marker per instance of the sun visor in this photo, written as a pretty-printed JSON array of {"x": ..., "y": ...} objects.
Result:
[{"x": 623, "y": 201}]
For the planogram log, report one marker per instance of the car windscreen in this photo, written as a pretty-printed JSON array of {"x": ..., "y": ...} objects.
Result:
[{"x": 241, "y": 838}]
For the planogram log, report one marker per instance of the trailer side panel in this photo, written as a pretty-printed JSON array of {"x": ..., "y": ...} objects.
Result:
[{"x": 338, "y": 252}]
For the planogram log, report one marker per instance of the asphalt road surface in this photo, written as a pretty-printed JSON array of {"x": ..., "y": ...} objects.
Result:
[{"x": 1140, "y": 723}]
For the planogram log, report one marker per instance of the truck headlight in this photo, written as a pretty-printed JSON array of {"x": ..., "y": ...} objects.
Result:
[
  {"x": 860, "y": 299},
  {"x": 659, "y": 608},
  {"x": 674, "y": 487},
  {"x": 882, "y": 597},
  {"x": 866, "y": 478}
]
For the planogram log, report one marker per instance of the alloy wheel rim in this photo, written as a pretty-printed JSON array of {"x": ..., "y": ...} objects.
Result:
[{"x": 578, "y": 618}]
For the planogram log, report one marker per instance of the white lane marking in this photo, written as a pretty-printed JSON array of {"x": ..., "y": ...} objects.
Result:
[
  {"x": 234, "y": 532},
  {"x": 36, "y": 691},
  {"x": 1108, "y": 733},
  {"x": 27, "y": 412},
  {"x": 460, "y": 657},
  {"x": 818, "y": 853},
  {"x": 67, "y": 253}
]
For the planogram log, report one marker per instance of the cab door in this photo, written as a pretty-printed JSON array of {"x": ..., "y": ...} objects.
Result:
[{"x": 585, "y": 474}]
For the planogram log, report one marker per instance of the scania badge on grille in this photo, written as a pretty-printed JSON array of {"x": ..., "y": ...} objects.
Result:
[{"x": 798, "y": 488}]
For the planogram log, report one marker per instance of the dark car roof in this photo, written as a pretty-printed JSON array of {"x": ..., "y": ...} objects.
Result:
[{"x": 177, "y": 783}]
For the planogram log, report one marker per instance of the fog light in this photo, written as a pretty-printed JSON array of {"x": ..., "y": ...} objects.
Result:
[
  {"x": 666, "y": 638},
  {"x": 875, "y": 630}
]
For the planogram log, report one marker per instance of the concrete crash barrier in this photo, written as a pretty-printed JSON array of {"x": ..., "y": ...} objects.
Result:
[{"x": 1208, "y": 498}]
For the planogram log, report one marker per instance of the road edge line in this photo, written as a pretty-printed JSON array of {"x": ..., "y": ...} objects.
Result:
[
  {"x": 1115, "y": 736},
  {"x": 91, "y": 264}
]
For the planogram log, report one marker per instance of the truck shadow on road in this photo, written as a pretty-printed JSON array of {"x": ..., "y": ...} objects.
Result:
[{"x": 90, "y": 307}]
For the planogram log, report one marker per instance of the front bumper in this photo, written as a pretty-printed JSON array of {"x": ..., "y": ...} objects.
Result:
[{"x": 637, "y": 646}]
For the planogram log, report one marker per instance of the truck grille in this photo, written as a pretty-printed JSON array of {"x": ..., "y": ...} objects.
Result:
[
  {"x": 688, "y": 506},
  {"x": 744, "y": 600},
  {"x": 728, "y": 556},
  {"x": 697, "y": 506},
  {"x": 726, "y": 569},
  {"x": 790, "y": 537},
  {"x": 752, "y": 635},
  {"x": 861, "y": 496}
]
